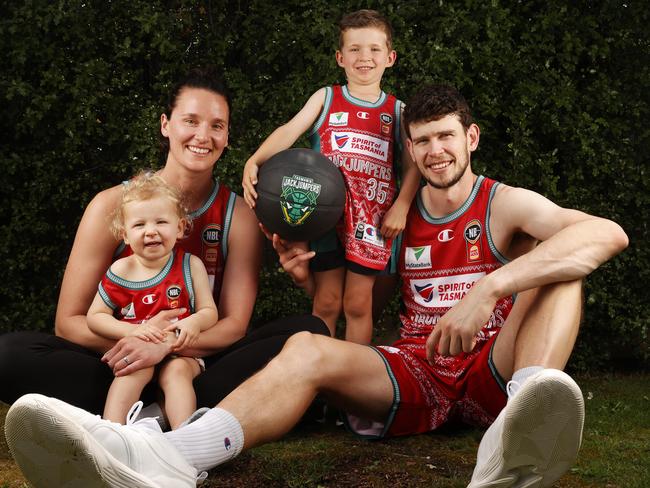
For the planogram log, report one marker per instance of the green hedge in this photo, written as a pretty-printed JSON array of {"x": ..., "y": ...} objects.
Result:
[{"x": 560, "y": 93}]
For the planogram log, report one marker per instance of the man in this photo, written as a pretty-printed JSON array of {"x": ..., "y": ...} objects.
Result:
[{"x": 468, "y": 249}]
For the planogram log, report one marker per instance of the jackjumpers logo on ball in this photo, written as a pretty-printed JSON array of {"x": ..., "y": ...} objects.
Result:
[{"x": 298, "y": 198}]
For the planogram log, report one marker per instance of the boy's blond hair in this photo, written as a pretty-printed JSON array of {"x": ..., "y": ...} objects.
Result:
[
  {"x": 145, "y": 186},
  {"x": 366, "y": 18}
]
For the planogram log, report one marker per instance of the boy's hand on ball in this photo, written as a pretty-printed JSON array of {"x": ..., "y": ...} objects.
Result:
[{"x": 249, "y": 180}]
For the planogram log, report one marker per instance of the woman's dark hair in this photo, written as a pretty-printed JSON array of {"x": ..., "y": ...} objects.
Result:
[{"x": 207, "y": 78}]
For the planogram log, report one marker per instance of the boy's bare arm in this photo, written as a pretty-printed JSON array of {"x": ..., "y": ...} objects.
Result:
[
  {"x": 395, "y": 219},
  {"x": 281, "y": 138}
]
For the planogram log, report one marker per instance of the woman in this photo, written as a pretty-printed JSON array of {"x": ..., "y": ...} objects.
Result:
[{"x": 224, "y": 235}]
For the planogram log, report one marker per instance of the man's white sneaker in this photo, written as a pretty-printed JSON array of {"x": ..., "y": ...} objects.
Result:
[
  {"x": 536, "y": 437},
  {"x": 57, "y": 444}
]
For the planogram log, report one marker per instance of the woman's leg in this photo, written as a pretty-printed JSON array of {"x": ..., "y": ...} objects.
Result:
[
  {"x": 35, "y": 362},
  {"x": 228, "y": 369}
]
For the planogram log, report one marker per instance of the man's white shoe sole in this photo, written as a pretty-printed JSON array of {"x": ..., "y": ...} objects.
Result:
[
  {"x": 53, "y": 451},
  {"x": 542, "y": 433}
]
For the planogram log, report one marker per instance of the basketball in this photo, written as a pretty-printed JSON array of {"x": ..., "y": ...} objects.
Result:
[{"x": 300, "y": 194}]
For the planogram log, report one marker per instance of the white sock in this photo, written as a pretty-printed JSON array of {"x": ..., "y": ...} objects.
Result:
[
  {"x": 520, "y": 376},
  {"x": 211, "y": 440}
]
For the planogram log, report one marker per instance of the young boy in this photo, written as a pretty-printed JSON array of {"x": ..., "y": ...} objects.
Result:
[
  {"x": 358, "y": 127},
  {"x": 158, "y": 276}
]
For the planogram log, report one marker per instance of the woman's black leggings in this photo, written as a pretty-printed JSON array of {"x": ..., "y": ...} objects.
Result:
[{"x": 34, "y": 362}]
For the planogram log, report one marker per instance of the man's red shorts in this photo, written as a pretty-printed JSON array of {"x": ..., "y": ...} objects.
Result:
[{"x": 464, "y": 388}]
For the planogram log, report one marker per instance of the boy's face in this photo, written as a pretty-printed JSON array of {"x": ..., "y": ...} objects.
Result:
[{"x": 365, "y": 55}]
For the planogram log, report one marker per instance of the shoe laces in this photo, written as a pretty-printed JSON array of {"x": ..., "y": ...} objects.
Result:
[
  {"x": 201, "y": 477},
  {"x": 149, "y": 423},
  {"x": 512, "y": 388}
]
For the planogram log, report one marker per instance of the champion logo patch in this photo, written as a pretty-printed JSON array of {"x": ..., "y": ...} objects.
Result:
[
  {"x": 226, "y": 443},
  {"x": 149, "y": 299},
  {"x": 445, "y": 235},
  {"x": 417, "y": 257}
]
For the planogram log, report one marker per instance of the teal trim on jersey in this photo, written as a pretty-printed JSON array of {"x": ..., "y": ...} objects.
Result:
[
  {"x": 397, "y": 135},
  {"x": 500, "y": 257},
  {"x": 495, "y": 373},
  {"x": 393, "y": 261},
  {"x": 362, "y": 103},
  {"x": 454, "y": 215},
  {"x": 141, "y": 285},
  {"x": 187, "y": 277},
  {"x": 230, "y": 209},
  {"x": 204, "y": 208},
  {"x": 102, "y": 293},
  {"x": 393, "y": 409},
  {"x": 321, "y": 118}
]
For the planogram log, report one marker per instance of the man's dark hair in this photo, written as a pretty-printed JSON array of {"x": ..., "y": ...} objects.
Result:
[{"x": 434, "y": 102}]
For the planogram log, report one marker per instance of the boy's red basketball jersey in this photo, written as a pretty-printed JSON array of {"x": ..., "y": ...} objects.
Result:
[
  {"x": 441, "y": 259},
  {"x": 208, "y": 235},
  {"x": 359, "y": 138},
  {"x": 138, "y": 301}
]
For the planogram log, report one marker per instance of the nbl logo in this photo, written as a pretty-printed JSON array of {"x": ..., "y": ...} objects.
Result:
[
  {"x": 173, "y": 296},
  {"x": 473, "y": 231},
  {"x": 211, "y": 235},
  {"x": 173, "y": 292}
]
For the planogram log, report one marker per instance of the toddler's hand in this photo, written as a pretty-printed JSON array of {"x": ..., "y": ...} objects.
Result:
[
  {"x": 148, "y": 333},
  {"x": 187, "y": 333}
]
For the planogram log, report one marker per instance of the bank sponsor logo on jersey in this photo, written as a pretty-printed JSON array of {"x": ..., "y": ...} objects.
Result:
[
  {"x": 473, "y": 231},
  {"x": 445, "y": 291},
  {"x": 445, "y": 235},
  {"x": 417, "y": 257},
  {"x": 211, "y": 234},
  {"x": 369, "y": 233},
  {"x": 386, "y": 118},
  {"x": 355, "y": 143},
  {"x": 363, "y": 115},
  {"x": 128, "y": 312},
  {"x": 149, "y": 299},
  {"x": 338, "y": 118},
  {"x": 298, "y": 198}
]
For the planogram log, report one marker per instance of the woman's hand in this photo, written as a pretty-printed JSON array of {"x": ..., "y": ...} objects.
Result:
[{"x": 132, "y": 354}]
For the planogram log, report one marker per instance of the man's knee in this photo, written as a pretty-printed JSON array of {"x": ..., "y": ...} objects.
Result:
[{"x": 304, "y": 352}]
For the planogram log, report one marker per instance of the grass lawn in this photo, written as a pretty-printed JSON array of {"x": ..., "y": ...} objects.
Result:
[{"x": 615, "y": 451}]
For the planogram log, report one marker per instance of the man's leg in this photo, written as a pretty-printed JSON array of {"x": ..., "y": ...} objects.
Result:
[
  {"x": 536, "y": 437},
  {"x": 351, "y": 376},
  {"x": 44, "y": 433}
]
